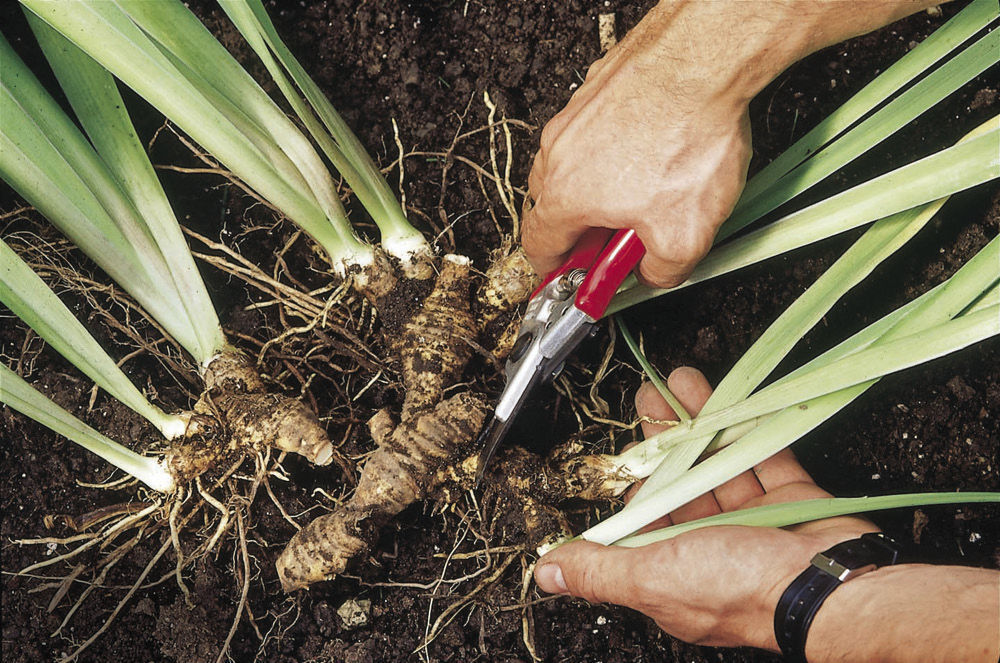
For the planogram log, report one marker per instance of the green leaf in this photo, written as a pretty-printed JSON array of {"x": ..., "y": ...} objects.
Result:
[
  {"x": 213, "y": 71},
  {"x": 794, "y": 513},
  {"x": 661, "y": 494},
  {"x": 882, "y": 358},
  {"x": 24, "y": 398},
  {"x": 333, "y": 135},
  {"x": 92, "y": 92},
  {"x": 46, "y": 159},
  {"x": 880, "y": 241},
  {"x": 965, "y": 165},
  {"x": 106, "y": 33},
  {"x": 27, "y": 296},
  {"x": 651, "y": 372},
  {"x": 781, "y": 180}
]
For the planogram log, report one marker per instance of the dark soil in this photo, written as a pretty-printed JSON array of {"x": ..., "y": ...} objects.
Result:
[{"x": 426, "y": 65}]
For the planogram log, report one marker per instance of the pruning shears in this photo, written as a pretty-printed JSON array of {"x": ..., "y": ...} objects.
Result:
[{"x": 562, "y": 311}]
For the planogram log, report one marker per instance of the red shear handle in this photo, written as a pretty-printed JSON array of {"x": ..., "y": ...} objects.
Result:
[
  {"x": 582, "y": 256},
  {"x": 615, "y": 262}
]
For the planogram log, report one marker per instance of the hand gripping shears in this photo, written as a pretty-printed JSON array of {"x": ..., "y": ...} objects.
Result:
[{"x": 561, "y": 312}]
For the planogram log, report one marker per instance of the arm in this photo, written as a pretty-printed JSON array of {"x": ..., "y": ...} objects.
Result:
[
  {"x": 658, "y": 137},
  {"x": 720, "y": 586},
  {"x": 913, "y": 612}
]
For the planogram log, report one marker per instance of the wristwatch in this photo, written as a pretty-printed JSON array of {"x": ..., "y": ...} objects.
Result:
[{"x": 828, "y": 570}]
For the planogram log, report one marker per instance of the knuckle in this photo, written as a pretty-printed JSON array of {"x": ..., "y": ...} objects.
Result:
[
  {"x": 547, "y": 139},
  {"x": 550, "y": 132},
  {"x": 588, "y": 585},
  {"x": 535, "y": 179},
  {"x": 691, "y": 244},
  {"x": 595, "y": 68},
  {"x": 672, "y": 253},
  {"x": 530, "y": 236},
  {"x": 658, "y": 273}
]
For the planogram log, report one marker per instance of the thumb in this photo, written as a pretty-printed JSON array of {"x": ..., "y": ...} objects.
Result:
[{"x": 596, "y": 573}]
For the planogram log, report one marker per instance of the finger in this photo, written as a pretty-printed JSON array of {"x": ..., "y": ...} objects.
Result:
[
  {"x": 700, "y": 507},
  {"x": 650, "y": 404},
  {"x": 781, "y": 469},
  {"x": 596, "y": 573},
  {"x": 547, "y": 240},
  {"x": 790, "y": 492},
  {"x": 536, "y": 177},
  {"x": 735, "y": 493},
  {"x": 688, "y": 385},
  {"x": 691, "y": 388},
  {"x": 656, "y": 272},
  {"x": 659, "y": 523},
  {"x": 672, "y": 251},
  {"x": 797, "y": 492}
]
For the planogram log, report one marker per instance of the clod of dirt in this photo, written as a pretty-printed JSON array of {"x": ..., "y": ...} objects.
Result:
[
  {"x": 523, "y": 490},
  {"x": 194, "y": 634},
  {"x": 353, "y": 613}
]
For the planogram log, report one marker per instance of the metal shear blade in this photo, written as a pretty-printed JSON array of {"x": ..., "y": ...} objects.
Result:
[
  {"x": 560, "y": 314},
  {"x": 543, "y": 351}
]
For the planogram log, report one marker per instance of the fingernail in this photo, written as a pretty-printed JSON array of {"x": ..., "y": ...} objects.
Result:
[{"x": 550, "y": 579}]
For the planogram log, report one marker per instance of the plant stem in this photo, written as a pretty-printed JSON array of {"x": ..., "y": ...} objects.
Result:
[
  {"x": 92, "y": 92},
  {"x": 880, "y": 241},
  {"x": 763, "y": 195},
  {"x": 109, "y": 35},
  {"x": 46, "y": 159},
  {"x": 781, "y": 429},
  {"x": 24, "y": 398},
  {"x": 651, "y": 372},
  {"x": 27, "y": 296},
  {"x": 965, "y": 165},
  {"x": 793, "y": 513},
  {"x": 333, "y": 135},
  {"x": 884, "y": 357}
]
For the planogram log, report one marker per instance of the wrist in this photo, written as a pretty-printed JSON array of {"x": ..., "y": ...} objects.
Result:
[
  {"x": 911, "y": 612},
  {"x": 724, "y": 52},
  {"x": 730, "y": 51},
  {"x": 752, "y": 619}
]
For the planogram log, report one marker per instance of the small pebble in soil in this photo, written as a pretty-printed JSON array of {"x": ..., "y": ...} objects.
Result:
[{"x": 353, "y": 613}]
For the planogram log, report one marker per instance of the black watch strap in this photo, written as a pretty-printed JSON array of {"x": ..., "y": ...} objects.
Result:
[{"x": 829, "y": 569}]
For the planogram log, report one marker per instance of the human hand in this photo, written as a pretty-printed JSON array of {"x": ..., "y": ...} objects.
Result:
[
  {"x": 658, "y": 137},
  {"x": 715, "y": 586},
  {"x": 647, "y": 143}
]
